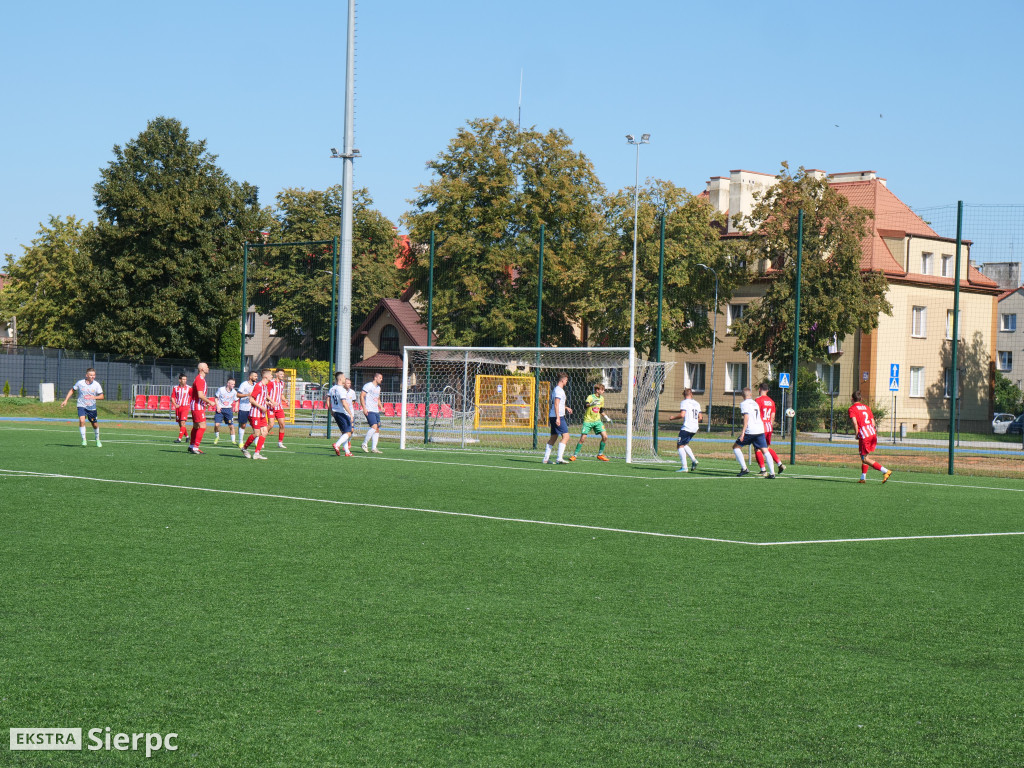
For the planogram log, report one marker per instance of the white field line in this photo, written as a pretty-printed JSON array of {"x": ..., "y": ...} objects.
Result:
[
  {"x": 671, "y": 475},
  {"x": 498, "y": 518}
]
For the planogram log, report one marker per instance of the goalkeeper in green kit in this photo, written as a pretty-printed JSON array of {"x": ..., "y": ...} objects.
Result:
[{"x": 592, "y": 423}]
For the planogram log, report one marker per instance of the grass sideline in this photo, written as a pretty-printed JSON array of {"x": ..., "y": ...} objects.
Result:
[{"x": 391, "y": 611}]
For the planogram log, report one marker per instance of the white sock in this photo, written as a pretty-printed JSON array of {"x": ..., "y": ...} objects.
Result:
[
  {"x": 366, "y": 440},
  {"x": 739, "y": 457},
  {"x": 376, "y": 437},
  {"x": 771, "y": 464},
  {"x": 547, "y": 452},
  {"x": 82, "y": 430},
  {"x": 883, "y": 470},
  {"x": 346, "y": 439},
  {"x": 689, "y": 452},
  {"x": 338, "y": 443},
  {"x": 96, "y": 434},
  {"x": 863, "y": 475},
  {"x": 682, "y": 455},
  {"x": 561, "y": 451}
]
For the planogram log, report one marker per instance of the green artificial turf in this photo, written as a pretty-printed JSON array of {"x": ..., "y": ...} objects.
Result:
[{"x": 426, "y": 622}]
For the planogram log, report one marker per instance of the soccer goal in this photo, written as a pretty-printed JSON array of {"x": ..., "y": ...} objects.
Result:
[{"x": 499, "y": 398}]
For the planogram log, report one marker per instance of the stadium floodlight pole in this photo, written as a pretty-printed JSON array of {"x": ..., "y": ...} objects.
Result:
[
  {"x": 714, "y": 337},
  {"x": 347, "y": 155},
  {"x": 631, "y": 139}
]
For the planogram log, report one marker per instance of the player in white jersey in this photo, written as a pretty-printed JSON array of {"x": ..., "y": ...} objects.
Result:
[
  {"x": 244, "y": 403},
  {"x": 752, "y": 434},
  {"x": 89, "y": 391},
  {"x": 558, "y": 418},
  {"x": 226, "y": 398},
  {"x": 341, "y": 397},
  {"x": 369, "y": 399},
  {"x": 689, "y": 412}
]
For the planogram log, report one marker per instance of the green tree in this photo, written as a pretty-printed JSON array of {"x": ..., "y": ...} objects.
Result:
[
  {"x": 167, "y": 247},
  {"x": 48, "y": 285},
  {"x": 836, "y": 298},
  {"x": 1008, "y": 396},
  {"x": 692, "y": 237},
  {"x": 293, "y": 285},
  {"x": 493, "y": 187}
]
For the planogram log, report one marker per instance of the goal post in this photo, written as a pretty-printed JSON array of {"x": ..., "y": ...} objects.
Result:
[{"x": 498, "y": 398}]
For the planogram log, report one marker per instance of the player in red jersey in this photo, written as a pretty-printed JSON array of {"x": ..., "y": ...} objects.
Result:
[
  {"x": 181, "y": 402},
  {"x": 276, "y": 400},
  {"x": 259, "y": 415},
  {"x": 767, "y": 407},
  {"x": 199, "y": 403},
  {"x": 867, "y": 438}
]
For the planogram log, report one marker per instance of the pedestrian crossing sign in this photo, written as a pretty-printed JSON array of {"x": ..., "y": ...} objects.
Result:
[{"x": 783, "y": 381}]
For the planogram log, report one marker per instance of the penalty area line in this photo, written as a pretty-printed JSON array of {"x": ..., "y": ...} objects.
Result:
[{"x": 500, "y": 518}]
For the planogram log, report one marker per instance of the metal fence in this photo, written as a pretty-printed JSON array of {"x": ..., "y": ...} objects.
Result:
[{"x": 23, "y": 369}]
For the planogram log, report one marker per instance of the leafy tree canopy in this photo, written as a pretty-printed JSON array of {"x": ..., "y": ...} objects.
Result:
[{"x": 836, "y": 298}]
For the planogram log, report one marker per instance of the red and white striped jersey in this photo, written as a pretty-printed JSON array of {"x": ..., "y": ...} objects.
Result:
[
  {"x": 181, "y": 397},
  {"x": 275, "y": 391},
  {"x": 767, "y": 406},
  {"x": 198, "y": 388},
  {"x": 258, "y": 397},
  {"x": 863, "y": 419}
]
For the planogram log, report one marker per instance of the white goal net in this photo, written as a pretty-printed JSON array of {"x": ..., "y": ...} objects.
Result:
[{"x": 498, "y": 398}]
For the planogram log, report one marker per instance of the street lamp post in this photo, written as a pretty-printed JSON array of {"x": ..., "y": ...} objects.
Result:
[
  {"x": 644, "y": 139},
  {"x": 714, "y": 336}
]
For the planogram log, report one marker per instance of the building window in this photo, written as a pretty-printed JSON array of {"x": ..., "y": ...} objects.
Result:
[
  {"x": 389, "y": 340},
  {"x": 916, "y": 381},
  {"x": 248, "y": 363},
  {"x": 250, "y": 323},
  {"x": 1005, "y": 361},
  {"x": 828, "y": 375},
  {"x": 1008, "y": 323},
  {"x": 949, "y": 323},
  {"x": 733, "y": 312},
  {"x": 947, "y": 383},
  {"x": 612, "y": 379},
  {"x": 693, "y": 376},
  {"x": 918, "y": 322},
  {"x": 947, "y": 265},
  {"x": 926, "y": 263},
  {"x": 735, "y": 377}
]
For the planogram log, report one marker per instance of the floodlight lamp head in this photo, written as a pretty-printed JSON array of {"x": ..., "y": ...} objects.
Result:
[
  {"x": 630, "y": 138},
  {"x": 645, "y": 138},
  {"x": 333, "y": 151}
]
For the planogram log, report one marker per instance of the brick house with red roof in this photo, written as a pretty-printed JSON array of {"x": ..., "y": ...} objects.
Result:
[
  {"x": 393, "y": 325},
  {"x": 919, "y": 265}
]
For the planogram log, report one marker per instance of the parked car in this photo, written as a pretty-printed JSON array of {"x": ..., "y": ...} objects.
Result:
[
  {"x": 1016, "y": 426},
  {"x": 1000, "y": 422}
]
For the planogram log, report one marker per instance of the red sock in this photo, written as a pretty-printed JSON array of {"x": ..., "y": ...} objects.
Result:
[
  {"x": 249, "y": 441},
  {"x": 198, "y": 436},
  {"x": 280, "y": 435},
  {"x": 760, "y": 459},
  {"x": 863, "y": 469},
  {"x": 259, "y": 444},
  {"x": 775, "y": 456},
  {"x": 875, "y": 465},
  {"x": 192, "y": 436},
  {"x": 182, "y": 432}
]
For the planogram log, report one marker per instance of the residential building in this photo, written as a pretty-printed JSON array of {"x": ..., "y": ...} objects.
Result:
[
  {"x": 919, "y": 265},
  {"x": 1010, "y": 335},
  {"x": 393, "y": 325}
]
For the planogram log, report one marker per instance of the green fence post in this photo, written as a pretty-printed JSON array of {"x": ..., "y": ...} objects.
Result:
[
  {"x": 334, "y": 364},
  {"x": 536, "y": 368},
  {"x": 796, "y": 330},
  {"x": 955, "y": 372},
  {"x": 245, "y": 302},
  {"x": 657, "y": 335},
  {"x": 430, "y": 336}
]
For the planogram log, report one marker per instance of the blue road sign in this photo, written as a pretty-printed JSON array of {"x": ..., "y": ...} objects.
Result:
[
  {"x": 894, "y": 385},
  {"x": 894, "y": 371},
  {"x": 783, "y": 381}
]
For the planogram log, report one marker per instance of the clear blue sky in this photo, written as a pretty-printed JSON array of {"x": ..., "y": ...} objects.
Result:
[{"x": 719, "y": 86}]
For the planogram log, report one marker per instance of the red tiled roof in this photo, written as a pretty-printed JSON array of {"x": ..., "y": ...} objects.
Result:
[
  {"x": 405, "y": 316},
  {"x": 1009, "y": 293},
  {"x": 382, "y": 361}
]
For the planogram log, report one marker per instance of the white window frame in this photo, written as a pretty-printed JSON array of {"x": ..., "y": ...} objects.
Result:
[
  {"x": 730, "y": 317},
  {"x": 1008, "y": 322},
  {"x": 829, "y": 373},
  {"x": 916, "y": 388},
  {"x": 919, "y": 330},
  {"x": 1004, "y": 361},
  {"x": 947, "y": 265},
  {"x": 250, "y": 323},
  {"x": 689, "y": 371},
  {"x": 731, "y": 371},
  {"x": 926, "y": 263},
  {"x": 949, "y": 323},
  {"x": 612, "y": 379}
]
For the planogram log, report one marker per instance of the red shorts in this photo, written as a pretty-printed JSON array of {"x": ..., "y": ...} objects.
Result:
[
  {"x": 181, "y": 413},
  {"x": 768, "y": 436},
  {"x": 277, "y": 413},
  {"x": 198, "y": 414},
  {"x": 867, "y": 444},
  {"x": 256, "y": 422}
]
